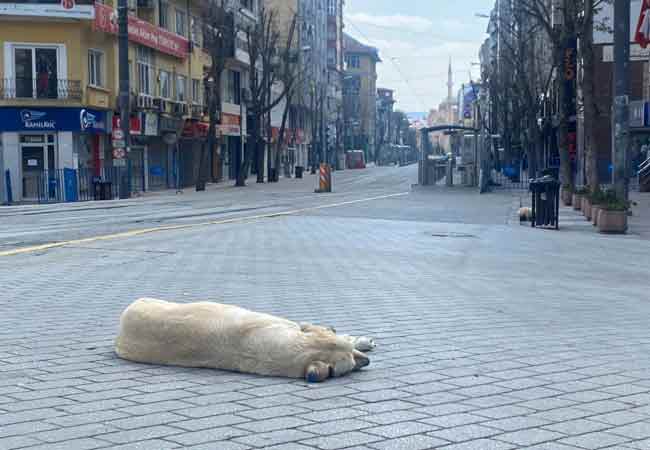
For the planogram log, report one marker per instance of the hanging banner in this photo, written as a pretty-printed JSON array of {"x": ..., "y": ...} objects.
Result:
[{"x": 642, "y": 35}]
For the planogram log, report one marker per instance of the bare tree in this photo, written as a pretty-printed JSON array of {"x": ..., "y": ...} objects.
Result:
[
  {"x": 577, "y": 24},
  {"x": 219, "y": 41},
  {"x": 263, "y": 48},
  {"x": 289, "y": 77}
]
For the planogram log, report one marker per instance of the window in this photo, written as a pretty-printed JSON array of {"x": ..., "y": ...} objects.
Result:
[
  {"x": 196, "y": 91},
  {"x": 352, "y": 61},
  {"x": 248, "y": 4},
  {"x": 233, "y": 87},
  {"x": 36, "y": 73},
  {"x": 331, "y": 7},
  {"x": 331, "y": 56},
  {"x": 164, "y": 79},
  {"x": 95, "y": 68},
  {"x": 180, "y": 22},
  {"x": 144, "y": 58},
  {"x": 195, "y": 31},
  {"x": 181, "y": 88},
  {"x": 163, "y": 15}
]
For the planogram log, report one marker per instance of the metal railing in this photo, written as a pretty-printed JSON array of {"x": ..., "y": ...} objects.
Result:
[
  {"x": 40, "y": 88},
  {"x": 74, "y": 185},
  {"x": 644, "y": 176}
]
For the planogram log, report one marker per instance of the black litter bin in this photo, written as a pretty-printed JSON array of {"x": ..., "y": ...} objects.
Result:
[
  {"x": 546, "y": 202},
  {"x": 299, "y": 170},
  {"x": 106, "y": 190}
]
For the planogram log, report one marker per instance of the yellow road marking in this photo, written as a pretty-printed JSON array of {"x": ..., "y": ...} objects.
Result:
[{"x": 133, "y": 233}]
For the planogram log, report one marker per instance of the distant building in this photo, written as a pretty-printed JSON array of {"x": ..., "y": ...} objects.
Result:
[
  {"x": 360, "y": 95},
  {"x": 384, "y": 128}
]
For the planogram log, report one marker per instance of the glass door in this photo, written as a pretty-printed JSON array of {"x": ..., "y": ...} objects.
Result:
[
  {"x": 36, "y": 72},
  {"x": 33, "y": 164},
  {"x": 24, "y": 64}
]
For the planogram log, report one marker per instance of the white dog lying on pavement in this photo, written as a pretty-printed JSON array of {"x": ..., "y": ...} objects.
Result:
[{"x": 218, "y": 336}]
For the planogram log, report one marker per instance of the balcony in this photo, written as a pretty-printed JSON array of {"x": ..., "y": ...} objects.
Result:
[{"x": 40, "y": 89}]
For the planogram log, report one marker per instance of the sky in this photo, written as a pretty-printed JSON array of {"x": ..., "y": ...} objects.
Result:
[{"x": 415, "y": 39}]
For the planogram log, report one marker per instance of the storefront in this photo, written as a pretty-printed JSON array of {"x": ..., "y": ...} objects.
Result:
[
  {"x": 231, "y": 152},
  {"x": 38, "y": 143}
]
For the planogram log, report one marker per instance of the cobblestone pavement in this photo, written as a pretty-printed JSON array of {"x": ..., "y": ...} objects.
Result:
[{"x": 491, "y": 336}]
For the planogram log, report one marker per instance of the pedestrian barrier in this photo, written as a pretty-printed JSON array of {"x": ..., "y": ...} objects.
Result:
[
  {"x": 73, "y": 185},
  {"x": 325, "y": 179}
]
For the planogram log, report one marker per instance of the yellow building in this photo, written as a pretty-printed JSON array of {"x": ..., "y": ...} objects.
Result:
[
  {"x": 58, "y": 98},
  {"x": 360, "y": 95}
]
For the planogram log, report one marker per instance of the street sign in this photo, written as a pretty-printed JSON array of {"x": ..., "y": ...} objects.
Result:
[{"x": 119, "y": 153}]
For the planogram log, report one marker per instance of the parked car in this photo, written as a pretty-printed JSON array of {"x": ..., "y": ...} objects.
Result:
[{"x": 355, "y": 159}]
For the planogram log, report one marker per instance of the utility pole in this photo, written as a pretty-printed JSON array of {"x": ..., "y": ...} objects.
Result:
[
  {"x": 124, "y": 88},
  {"x": 621, "y": 96}
]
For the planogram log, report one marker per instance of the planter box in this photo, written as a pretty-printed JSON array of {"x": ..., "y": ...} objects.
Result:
[
  {"x": 612, "y": 221},
  {"x": 595, "y": 211},
  {"x": 577, "y": 202},
  {"x": 567, "y": 197},
  {"x": 586, "y": 207}
]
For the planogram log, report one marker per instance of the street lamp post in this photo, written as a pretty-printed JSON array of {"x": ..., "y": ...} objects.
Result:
[
  {"x": 124, "y": 85},
  {"x": 621, "y": 96}
]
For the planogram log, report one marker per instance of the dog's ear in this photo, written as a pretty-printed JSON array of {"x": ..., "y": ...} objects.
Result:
[{"x": 317, "y": 372}]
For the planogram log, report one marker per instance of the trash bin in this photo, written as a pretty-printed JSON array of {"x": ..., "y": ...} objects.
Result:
[
  {"x": 106, "y": 190},
  {"x": 546, "y": 202},
  {"x": 299, "y": 170}
]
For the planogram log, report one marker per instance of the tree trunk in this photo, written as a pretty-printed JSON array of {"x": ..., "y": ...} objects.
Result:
[{"x": 249, "y": 152}]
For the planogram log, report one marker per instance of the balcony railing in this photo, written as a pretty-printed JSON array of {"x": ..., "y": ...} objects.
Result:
[{"x": 50, "y": 88}]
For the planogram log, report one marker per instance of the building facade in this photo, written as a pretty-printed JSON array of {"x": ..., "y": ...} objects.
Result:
[
  {"x": 58, "y": 97},
  {"x": 384, "y": 127},
  {"x": 360, "y": 96}
]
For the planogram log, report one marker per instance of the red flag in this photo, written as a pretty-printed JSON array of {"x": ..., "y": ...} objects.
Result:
[{"x": 642, "y": 36}]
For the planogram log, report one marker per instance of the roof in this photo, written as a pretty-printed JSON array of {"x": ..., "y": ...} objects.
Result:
[{"x": 351, "y": 45}]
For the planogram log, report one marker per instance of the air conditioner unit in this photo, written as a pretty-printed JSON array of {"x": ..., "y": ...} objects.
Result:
[
  {"x": 177, "y": 108},
  {"x": 140, "y": 101}
]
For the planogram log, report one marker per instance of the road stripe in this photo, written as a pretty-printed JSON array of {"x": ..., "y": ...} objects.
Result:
[{"x": 133, "y": 233}]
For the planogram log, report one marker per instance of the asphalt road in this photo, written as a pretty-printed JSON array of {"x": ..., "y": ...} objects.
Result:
[{"x": 490, "y": 335}]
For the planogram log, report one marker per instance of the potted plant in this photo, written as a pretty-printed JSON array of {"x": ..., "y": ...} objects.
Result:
[
  {"x": 613, "y": 215},
  {"x": 586, "y": 205},
  {"x": 567, "y": 195},
  {"x": 577, "y": 198},
  {"x": 597, "y": 198}
]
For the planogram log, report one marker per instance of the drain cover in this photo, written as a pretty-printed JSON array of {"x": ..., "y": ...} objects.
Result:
[{"x": 455, "y": 235}]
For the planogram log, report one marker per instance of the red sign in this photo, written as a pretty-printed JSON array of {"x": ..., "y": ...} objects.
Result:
[
  {"x": 229, "y": 125},
  {"x": 291, "y": 136},
  {"x": 135, "y": 126},
  {"x": 194, "y": 129},
  {"x": 141, "y": 32},
  {"x": 642, "y": 35}
]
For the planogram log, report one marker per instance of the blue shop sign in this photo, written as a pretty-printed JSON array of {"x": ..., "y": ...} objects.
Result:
[{"x": 53, "y": 119}]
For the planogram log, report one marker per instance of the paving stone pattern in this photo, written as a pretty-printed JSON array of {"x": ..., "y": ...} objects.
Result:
[{"x": 510, "y": 338}]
